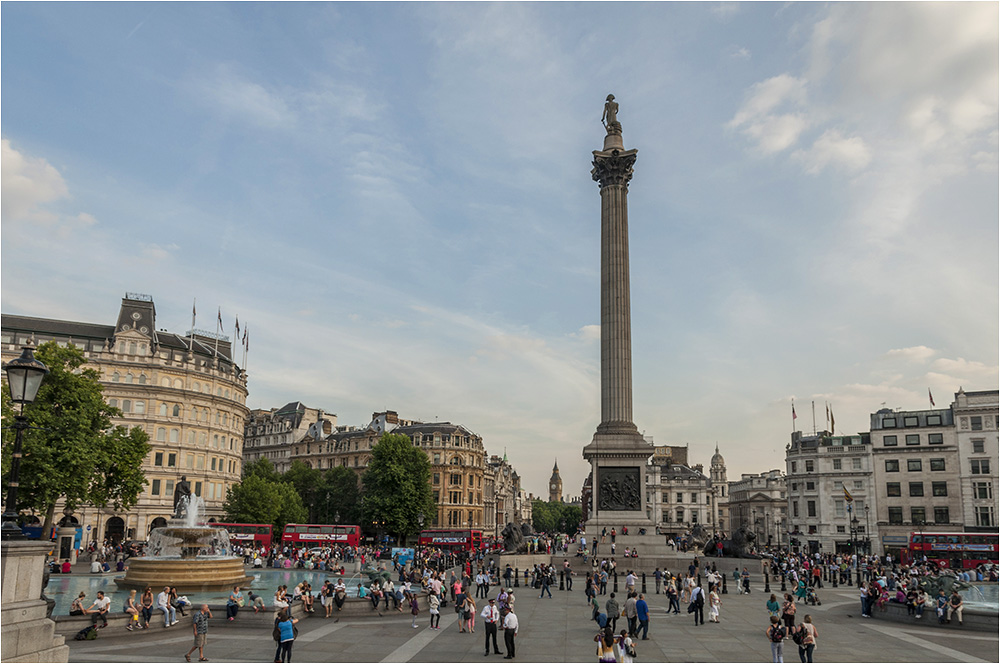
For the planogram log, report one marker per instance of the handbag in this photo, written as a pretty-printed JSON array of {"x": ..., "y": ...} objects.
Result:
[
  {"x": 240, "y": 601},
  {"x": 691, "y": 607}
]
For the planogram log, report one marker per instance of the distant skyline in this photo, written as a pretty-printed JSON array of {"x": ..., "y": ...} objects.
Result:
[{"x": 396, "y": 199}]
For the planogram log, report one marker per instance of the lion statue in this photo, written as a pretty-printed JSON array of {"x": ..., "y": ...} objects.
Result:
[
  {"x": 513, "y": 538},
  {"x": 737, "y": 547}
]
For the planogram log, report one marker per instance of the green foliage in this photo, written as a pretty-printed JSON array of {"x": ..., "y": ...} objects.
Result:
[
  {"x": 397, "y": 485},
  {"x": 555, "y": 517},
  {"x": 260, "y": 500},
  {"x": 340, "y": 497},
  {"x": 72, "y": 451},
  {"x": 262, "y": 468},
  {"x": 308, "y": 483}
]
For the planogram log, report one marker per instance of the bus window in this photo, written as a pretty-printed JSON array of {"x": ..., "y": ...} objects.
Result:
[
  {"x": 918, "y": 539},
  {"x": 262, "y": 530},
  {"x": 952, "y": 539},
  {"x": 326, "y": 530},
  {"x": 312, "y": 529}
]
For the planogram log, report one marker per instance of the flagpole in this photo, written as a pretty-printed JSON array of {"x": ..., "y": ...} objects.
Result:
[
  {"x": 814, "y": 417},
  {"x": 194, "y": 314},
  {"x": 218, "y": 324}
]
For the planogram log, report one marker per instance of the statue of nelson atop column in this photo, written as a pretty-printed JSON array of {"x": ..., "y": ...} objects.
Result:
[{"x": 610, "y": 116}]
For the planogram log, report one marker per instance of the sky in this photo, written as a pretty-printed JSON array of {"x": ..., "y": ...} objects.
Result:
[{"x": 396, "y": 200}]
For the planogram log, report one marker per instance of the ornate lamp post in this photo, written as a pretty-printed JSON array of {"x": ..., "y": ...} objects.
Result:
[
  {"x": 854, "y": 537},
  {"x": 24, "y": 377},
  {"x": 868, "y": 532}
]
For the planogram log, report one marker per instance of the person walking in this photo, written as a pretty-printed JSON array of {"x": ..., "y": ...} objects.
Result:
[
  {"x": 491, "y": 615},
  {"x": 613, "y": 612},
  {"x": 284, "y": 626},
  {"x": 414, "y": 609},
  {"x": 509, "y": 633},
  {"x": 773, "y": 608},
  {"x": 631, "y": 614},
  {"x": 697, "y": 604},
  {"x": 675, "y": 604},
  {"x": 200, "y": 625},
  {"x": 642, "y": 615},
  {"x": 776, "y": 635},
  {"x": 714, "y": 602},
  {"x": 544, "y": 576},
  {"x": 434, "y": 604},
  {"x": 807, "y": 639},
  {"x": 470, "y": 614},
  {"x": 605, "y": 640},
  {"x": 626, "y": 648},
  {"x": 788, "y": 611}
]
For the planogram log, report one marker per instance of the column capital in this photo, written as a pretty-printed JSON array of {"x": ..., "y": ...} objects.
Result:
[{"x": 613, "y": 167}]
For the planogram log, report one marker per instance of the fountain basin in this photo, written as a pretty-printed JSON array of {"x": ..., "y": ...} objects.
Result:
[{"x": 188, "y": 575}]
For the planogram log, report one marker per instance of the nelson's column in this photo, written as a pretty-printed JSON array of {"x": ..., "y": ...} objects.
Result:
[{"x": 618, "y": 453}]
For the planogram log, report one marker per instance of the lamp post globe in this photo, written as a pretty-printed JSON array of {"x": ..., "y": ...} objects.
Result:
[{"x": 24, "y": 377}]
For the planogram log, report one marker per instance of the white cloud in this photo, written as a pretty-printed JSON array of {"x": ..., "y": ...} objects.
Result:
[
  {"x": 912, "y": 354},
  {"x": 28, "y": 185},
  {"x": 726, "y": 9},
  {"x": 234, "y": 95},
  {"x": 760, "y": 119},
  {"x": 739, "y": 53},
  {"x": 589, "y": 333},
  {"x": 833, "y": 149}
]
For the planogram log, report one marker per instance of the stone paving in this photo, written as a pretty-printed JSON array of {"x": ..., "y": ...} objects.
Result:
[{"x": 559, "y": 630}]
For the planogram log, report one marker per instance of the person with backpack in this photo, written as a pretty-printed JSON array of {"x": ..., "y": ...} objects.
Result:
[
  {"x": 776, "y": 635},
  {"x": 805, "y": 638},
  {"x": 626, "y": 648},
  {"x": 697, "y": 606},
  {"x": 788, "y": 611},
  {"x": 284, "y": 634}
]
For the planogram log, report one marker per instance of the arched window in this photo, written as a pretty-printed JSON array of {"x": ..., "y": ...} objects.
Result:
[
  {"x": 113, "y": 403},
  {"x": 175, "y": 435},
  {"x": 227, "y": 394},
  {"x": 178, "y": 383},
  {"x": 115, "y": 377},
  {"x": 177, "y": 410},
  {"x": 140, "y": 407},
  {"x": 161, "y": 434},
  {"x": 190, "y": 437},
  {"x": 142, "y": 379},
  {"x": 165, "y": 382},
  {"x": 163, "y": 409},
  {"x": 196, "y": 387}
]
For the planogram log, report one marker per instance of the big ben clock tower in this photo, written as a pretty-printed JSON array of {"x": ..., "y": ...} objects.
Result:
[{"x": 555, "y": 485}]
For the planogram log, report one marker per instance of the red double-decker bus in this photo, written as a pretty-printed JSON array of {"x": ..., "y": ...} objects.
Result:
[
  {"x": 256, "y": 535},
  {"x": 952, "y": 550},
  {"x": 318, "y": 534},
  {"x": 465, "y": 540}
]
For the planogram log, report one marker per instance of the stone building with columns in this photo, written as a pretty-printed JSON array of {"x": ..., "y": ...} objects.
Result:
[
  {"x": 185, "y": 391},
  {"x": 270, "y": 434}
]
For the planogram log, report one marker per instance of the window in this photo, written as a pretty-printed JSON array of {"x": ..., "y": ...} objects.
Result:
[
  {"x": 836, "y": 464},
  {"x": 680, "y": 497},
  {"x": 172, "y": 462},
  {"x": 197, "y": 488},
  {"x": 810, "y": 486},
  {"x": 140, "y": 407},
  {"x": 168, "y": 488},
  {"x": 175, "y": 435},
  {"x": 933, "y": 420},
  {"x": 937, "y": 464},
  {"x": 941, "y": 515},
  {"x": 856, "y": 463},
  {"x": 916, "y": 489},
  {"x": 437, "y": 478},
  {"x": 156, "y": 488},
  {"x": 939, "y": 488},
  {"x": 935, "y": 439},
  {"x": 977, "y": 422},
  {"x": 913, "y": 439},
  {"x": 437, "y": 458},
  {"x": 918, "y": 515},
  {"x": 200, "y": 462},
  {"x": 838, "y": 485},
  {"x": 177, "y": 410},
  {"x": 809, "y": 466},
  {"x": 892, "y": 465},
  {"x": 838, "y": 507},
  {"x": 126, "y": 405},
  {"x": 793, "y": 467},
  {"x": 161, "y": 434},
  {"x": 841, "y": 529},
  {"x": 982, "y": 490},
  {"x": 795, "y": 486},
  {"x": 456, "y": 478},
  {"x": 858, "y": 485},
  {"x": 115, "y": 377},
  {"x": 889, "y": 441},
  {"x": 913, "y": 465},
  {"x": 158, "y": 459},
  {"x": 896, "y": 516},
  {"x": 980, "y": 466},
  {"x": 795, "y": 508},
  {"x": 811, "y": 507},
  {"x": 892, "y": 489},
  {"x": 984, "y": 516},
  {"x": 910, "y": 421},
  {"x": 694, "y": 498},
  {"x": 978, "y": 446}
]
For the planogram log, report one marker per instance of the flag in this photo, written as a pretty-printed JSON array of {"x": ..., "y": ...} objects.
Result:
[
  {"x": 930, "y": 396},
  {"x": 220, "y": 320},
  {"x": 793, "y": 412},
  {"x": 828, "y": 416},
  {"x": 194, "y": 309},
  {"x": 246, "y": 338},
  {"x": 237, "y": 326},
  {"x": 847, "y": 495},
  {"x": 832, "y": 424}
]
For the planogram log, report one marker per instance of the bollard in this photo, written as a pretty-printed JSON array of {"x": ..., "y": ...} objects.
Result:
[
  {"x": 833, "y": 577},
  {"x": 849, "y": 577},
  {"x": 562, "y": 579},
  {"x": 517, "y": 579},
  {"x": 616, "y": 581},
  {"x": 699, "y": 578},
  {"x": 767, "y": 582},
  {"x": 825, "y": 577},
  {"x": 783, "y": 583},
  {"x": 643, "y": 583}
]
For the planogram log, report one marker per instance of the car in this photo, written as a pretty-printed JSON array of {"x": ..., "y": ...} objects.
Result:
[{"x": 317, "y": 550}]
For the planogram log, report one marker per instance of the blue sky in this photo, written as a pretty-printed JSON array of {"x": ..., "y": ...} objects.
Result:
[{"x": 396, "y": 198}]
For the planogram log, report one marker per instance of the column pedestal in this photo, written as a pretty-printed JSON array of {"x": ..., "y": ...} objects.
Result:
[{"x": 26, "y": 635}]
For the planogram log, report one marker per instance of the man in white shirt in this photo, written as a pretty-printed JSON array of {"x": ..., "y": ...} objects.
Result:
[
  {"x": 509, "y": 632},
  {"x": 163, "y": 604},
  {"x": 491, "y": 615},
  {"x": 339, "y": 593},
  {"x": 481, "y": 585},
  {"x": 100, "y": 607}
]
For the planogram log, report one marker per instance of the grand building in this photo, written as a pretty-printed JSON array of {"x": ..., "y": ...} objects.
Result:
[
  {"x": 829, "y": 482},
  {"x": 555, "y": 485},
  {"x": 269, "y": 434},
  {"x": 977, "y": 420},
  {"x": 185, "y": 391},
  {"x": 758, "y": 503}
]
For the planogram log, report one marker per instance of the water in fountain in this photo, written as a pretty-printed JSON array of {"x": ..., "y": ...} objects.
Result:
[
  {"x": 983, "y": 597},
  {"x": 188, "y": 537}
]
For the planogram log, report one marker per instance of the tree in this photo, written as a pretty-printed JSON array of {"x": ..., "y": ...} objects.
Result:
[
  {"x": 260, "y": 500},
  {"x": 72, "y": 451},
  {"x": 542, "y": 517},
  {"x": 308, "y": 482},
  {"x": 340, "y": 496},
  {"x": 262, "y": 468},
  {"x": 397, "y": 485},
  {"x": 555, "y": 517}
]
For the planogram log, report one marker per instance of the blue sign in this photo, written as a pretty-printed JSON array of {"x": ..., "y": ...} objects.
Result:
[{"x": 402, "y": 556}]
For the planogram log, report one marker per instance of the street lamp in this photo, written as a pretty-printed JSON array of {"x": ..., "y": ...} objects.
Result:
[
  {"x": 868, "y": 532},
  {"x": 854, "y": 536},
  {"x": 24, "y": 377}
]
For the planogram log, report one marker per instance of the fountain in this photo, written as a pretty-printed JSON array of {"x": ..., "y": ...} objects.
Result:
[{"x": 186, "y": 553}]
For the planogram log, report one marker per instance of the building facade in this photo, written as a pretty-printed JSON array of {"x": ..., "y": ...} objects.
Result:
[
  {"x": 185, "y": 392},
  {"x": 685, "y": 499},
  {"x": 270, "y": 434},
  {"x": 720, "y": 493},
  {"x": 555, "y": 485},
  {"x": 829, "y": 482},
  {"x": 759, "y": 503},
  {"x": 977, "y": 419},
  {"x": 917, "y": 472}
]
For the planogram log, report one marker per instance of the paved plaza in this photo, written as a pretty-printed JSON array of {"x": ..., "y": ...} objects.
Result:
[{"x": 559, "y": 630}]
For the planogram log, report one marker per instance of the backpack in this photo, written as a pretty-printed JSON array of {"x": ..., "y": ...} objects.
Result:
[
  {"x": 86, "y": 634},
  {"x": 777, "y": 633},
  {"x": 798, "y": 635}
]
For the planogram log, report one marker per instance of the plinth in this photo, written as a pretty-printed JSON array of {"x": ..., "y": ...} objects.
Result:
[{"x": 26, "y": 635}]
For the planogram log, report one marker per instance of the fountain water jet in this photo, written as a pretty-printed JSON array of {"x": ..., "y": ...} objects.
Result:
[{"x": 188, "y": 554}]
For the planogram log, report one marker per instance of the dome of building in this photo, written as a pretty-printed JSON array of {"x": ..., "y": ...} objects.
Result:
[{"x": 717, "y": 459}]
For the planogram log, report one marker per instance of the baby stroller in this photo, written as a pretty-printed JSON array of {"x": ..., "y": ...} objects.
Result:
[{"x": 812, "y": 598}]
